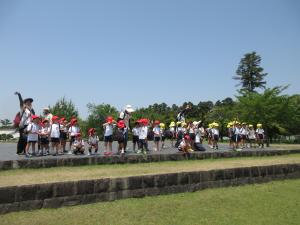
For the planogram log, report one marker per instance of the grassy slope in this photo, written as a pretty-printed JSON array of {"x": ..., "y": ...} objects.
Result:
[
  {"x": 273, "y": 203},
  {"x": 33, "y": 176}
]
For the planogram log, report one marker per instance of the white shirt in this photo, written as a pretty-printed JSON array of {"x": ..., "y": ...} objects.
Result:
[
  {"x": 108, "y": 130},
  {"x": 73, "y": 130},
  {"x": 215, "y": 131},
  {"x": 93, "y": 139},
  {"x": 135, "y": 131},
  {"x": 143, "y": 133},
  {"x": 54, "y": 131},
  {"x": 244, "y": 131},
  {"x": 77, "y": 143},
  {"x": 172, "y": 129},
  {"x": 33, "y": 130},
  {"x": 44, "y": 131},
  {"x": 236, "y": 131},
  {"x": 252, "y": 134},
  {"x": 26, "y": 117},
  {"x": 198, "y": 136},
  {"x": 156, "y": 131},
  {"x": 260, "y": 131}
]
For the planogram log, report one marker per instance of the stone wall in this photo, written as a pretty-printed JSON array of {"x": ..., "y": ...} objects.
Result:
[
  {"x": 134, "y": 158},
  {"x": 53, "y": 195}
]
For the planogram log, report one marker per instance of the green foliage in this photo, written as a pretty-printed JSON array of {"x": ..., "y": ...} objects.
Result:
[
  {"x": 6, "y": 123},
  {"x": 64, "y": 108},
  {"x": 250, "y": 74},
  {"x": 5, "y": 137},
  {"x": 98, "y": 115}
]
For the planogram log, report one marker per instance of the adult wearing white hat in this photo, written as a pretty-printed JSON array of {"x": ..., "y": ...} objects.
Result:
[
  {"x": 125, "y": 115},
  {"x": 47, "y": 114}
]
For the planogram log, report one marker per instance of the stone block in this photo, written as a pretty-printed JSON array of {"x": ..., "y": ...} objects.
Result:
[
  {"x": 31, "y": 205},
  {"x": 135, "y": 182},
  {"x": 219, "y": 174},
  {"x": 44, "y": 191},
  {"x": 53, "y": 202},
  {"x": 255, "y": 171},
  {"x": 85, "y": 187},
  {"x": 183, "y": 178},
  {"x": 72, "y": 200},
  {"x": 194, "y": 177},
  {"x": 64, "y": 189},
  {"x": 172, "y": 179},
  {"x": 229, "y": 174},
  {"x": 160, "y": 180},
  {"x": 25, "y": 193},
  {"x": 101, "y": 185},
  {"x": 7, "y": 194},
  {"x": 239, "y": 172},
  {"x": 149, "y": 181}
]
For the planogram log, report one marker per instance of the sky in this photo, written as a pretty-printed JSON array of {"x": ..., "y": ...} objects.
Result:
[{"x": 141, "y": 52}]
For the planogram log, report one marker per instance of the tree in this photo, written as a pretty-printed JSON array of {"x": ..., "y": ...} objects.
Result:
[
  {"x": 250, "y": 74},
  {"x": 64, "y": 108},
  {"x": 6, "y": 123},
  {"x": 98, "y": 114}
]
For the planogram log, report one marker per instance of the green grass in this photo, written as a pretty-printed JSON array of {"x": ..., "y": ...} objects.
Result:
[
  {"x": 272, "y": 203},
  {"x": 60, "y": 174}
]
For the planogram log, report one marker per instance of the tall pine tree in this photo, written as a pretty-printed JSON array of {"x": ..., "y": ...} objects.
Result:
[{"x": 250, "y": 73}]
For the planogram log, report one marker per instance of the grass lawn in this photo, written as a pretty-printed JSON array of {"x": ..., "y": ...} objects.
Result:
[
  {"x": 56, "y": 174},
  {"x": 272, "y": 203}
]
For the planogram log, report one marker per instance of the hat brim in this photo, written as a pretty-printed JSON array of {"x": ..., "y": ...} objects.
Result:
[
  {"x": 130, "y": 110},
  {"x": 28, "y": 100}
]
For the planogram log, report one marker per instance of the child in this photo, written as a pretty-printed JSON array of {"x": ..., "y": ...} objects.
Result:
[
  {"x": 179, "y": 134},
  {"x": 143, "y": 146},
  {"x": 215, "y": 135},
  {"x": 44, "y": 134},
  {"x": 252, "y": 136},
  {"x": 108, "y": 134},
  {"x": 198, "y": 136},
  {"x": 63, "y": 134},
  {"x": 120, "y": 135},
  {"x": 33, "y": 135},
  {"x": 230, "y": 134},
  {"x": 157, "y": 133},
  {"x": 55, "y": 135},
  {"x": 185, "y": 145},
  {"x": 202, "y": 131},
  {"x": 135, "y": 135},
  {"x": 163, "y": 134},
  {"x": 93, "y": 141},
  {"x": 260, "y": 135},
  {"x": 244, "y": 135},
  {"x": 236, "y": 135},
  {"x": 73, "y": 131},
  {"x": 191, "y": 131},
  {"x": 209, "y": 135},
  {"x": 78, "y": 145},
  {"x": 173, "y": 133}
]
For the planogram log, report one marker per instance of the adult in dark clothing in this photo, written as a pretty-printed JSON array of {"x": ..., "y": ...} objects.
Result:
[
  {"x": 26, "y": 111},
  {"x": 125, "y": 115},
  {"x": 181, "y": 115}
]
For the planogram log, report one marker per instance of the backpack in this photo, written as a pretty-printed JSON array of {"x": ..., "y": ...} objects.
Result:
[{"x": 17, "y": 119}]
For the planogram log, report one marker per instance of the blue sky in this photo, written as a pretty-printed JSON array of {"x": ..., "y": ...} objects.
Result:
[{"x": 141, "y": 52}]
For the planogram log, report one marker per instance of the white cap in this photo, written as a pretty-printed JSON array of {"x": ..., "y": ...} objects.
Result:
[{"x": 129, "y": 108}]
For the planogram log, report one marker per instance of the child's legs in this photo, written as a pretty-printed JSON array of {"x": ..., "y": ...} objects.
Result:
[
  {"x": 110, "y": 146},
  {"x": 106, "y": 145},
  {"x": 33, "y": 147},
  {"x": 27, "y": 147}
]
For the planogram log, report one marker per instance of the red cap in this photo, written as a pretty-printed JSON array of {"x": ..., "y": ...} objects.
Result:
[
  {"x": 78, "y": 135},
  {"x": 121, "y": 124},
  {"x": 156, "y": 122},
  {"x": 187, "y": 137},
  {"x": 109, "y": 119},
  {"x": 92, "y": 130},
  {"x": 55, "y": 118},
  {"x": 45, "y": 120},
  {"x": 34, "y": 117}
]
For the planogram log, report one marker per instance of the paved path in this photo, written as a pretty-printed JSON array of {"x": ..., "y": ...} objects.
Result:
[{"x": 8, "y": 150}]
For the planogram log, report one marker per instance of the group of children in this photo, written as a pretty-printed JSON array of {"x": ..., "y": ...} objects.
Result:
[
  {"x": 54, "y": 130},
  {"x": 189, "y": 136}
]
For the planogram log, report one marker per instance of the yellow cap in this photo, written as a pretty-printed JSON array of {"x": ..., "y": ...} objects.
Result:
[
  {"x": 183, "y": 124},
  {"x": 172, "y": 124},
  {"x": 250, "y": 125},
  {"x": 162, "y": 125},
  {"x": 259, "y": 125},
  {"x": 178, "y": 123}
]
